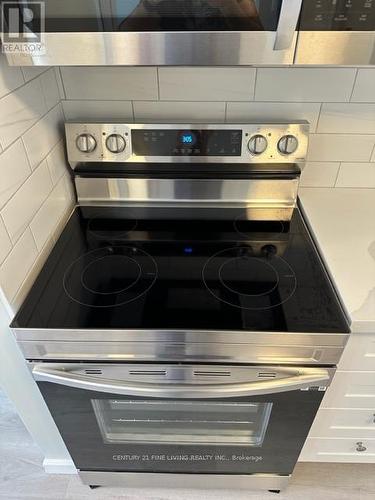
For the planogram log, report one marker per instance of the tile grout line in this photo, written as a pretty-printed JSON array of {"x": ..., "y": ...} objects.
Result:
[
  {"x": 255, "y": 84},
  {"x": 158, "y": 81},
  {"x": 337, "y": 175},
  {"x": 33, "y": 237},
  {"x": 27, "y": 130},
  {"x": 319, "y": 116},
  {"x": 241, "y": 101},
  {"x": 372, "y": 155},
  {"x": 62, "y": 83},
  {"x": 354, "y": 84},
  {"x": 27, "y": 156},
  {"x": 10, "y": 239}
]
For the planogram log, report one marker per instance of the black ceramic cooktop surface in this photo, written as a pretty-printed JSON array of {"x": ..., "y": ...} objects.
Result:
[{"x": 112, "y": 270}]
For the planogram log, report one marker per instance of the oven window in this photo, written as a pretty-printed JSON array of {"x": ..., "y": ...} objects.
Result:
[
  {"x": 182, "y": 422},
  {"x": 161, "y": 15}
]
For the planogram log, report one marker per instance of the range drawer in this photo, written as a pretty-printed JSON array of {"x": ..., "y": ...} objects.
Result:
[
  {"x": 351, "y": 390},
  {"x": 338, "y": 450},
  {"x": 335, "y": 423},
  {"x": 359, "y": 354}
]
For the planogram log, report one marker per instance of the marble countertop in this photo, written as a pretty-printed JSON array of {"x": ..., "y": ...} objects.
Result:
[{"x": 342, "y": 222}]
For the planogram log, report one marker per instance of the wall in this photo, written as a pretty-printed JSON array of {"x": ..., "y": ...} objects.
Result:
[
  {"x": 35, "y": 198},
  {"x": 338, "y": 102},
  {"x": 35, "y": 189}
]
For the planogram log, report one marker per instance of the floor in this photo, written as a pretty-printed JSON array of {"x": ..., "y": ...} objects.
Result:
[{"x": 22, "y": 476}]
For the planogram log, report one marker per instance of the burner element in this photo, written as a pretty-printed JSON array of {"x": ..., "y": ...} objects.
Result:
[
  {"x": 237, "y": 278},
  {"x": 97, "y": 277},
  {"x": 248, "y": 276},
  {"x": 110, "y": 276}
]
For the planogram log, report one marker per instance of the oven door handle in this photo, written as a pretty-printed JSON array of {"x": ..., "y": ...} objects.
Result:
[
  {"x": 289, "y": 14},
  {"x": 301, "y": 379}
]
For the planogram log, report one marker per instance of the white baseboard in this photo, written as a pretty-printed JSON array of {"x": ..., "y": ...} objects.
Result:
[{"x": 59, "y": 466}]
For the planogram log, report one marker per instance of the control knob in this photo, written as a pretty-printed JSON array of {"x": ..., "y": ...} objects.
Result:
[
  {"x": 115, "y": 143},
  {"x": 287, "y": 145},
  {"x": 86, "y": 143},
  {"x": 257, "y": 144}
]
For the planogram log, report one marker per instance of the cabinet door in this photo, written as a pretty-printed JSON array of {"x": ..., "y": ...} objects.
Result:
[
  {"x": 335, "y": 423},
  {"x": 338, "y": 450},
  {"x": 359, "y": 354},
  {"x": 351, "y": 390}
]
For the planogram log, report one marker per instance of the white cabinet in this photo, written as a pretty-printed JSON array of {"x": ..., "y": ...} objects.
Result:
[
  {"x": 344, "y": 423},
  {"x": 338, "y": 450},
  {"x": 359, "y": 353},
  {"x": 344, "y": 427},
  {"x": 351, "y": 390}
]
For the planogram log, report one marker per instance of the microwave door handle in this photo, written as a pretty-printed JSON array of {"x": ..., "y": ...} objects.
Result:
[
  {"x": 289, "y": 14},
  {"x": 302, "y": 379}
]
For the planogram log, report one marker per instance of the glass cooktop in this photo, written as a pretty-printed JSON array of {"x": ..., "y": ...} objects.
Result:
[{"x": 110, "y": 269}]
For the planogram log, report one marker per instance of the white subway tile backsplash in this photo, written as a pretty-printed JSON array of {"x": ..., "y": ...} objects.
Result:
[
  {"x": 356, "y": 175},
  {"x": 110, "y": 83},
  {"x": 20, "y": 209},
  {"x": 98, "y": 110},
  {"x": 50, "y": 88},
  {"x": 30, "y": 72},
  {"x": 304, "y": 84},
  {"x": 43, "y": 136},
  {"x": 57, "y": 162},
  {"x": 364, "y": 89},
  {"x": 49, "y": 214},
  {"x": 59, "y": 81},
  {"x": 18, "y": 263},
  {"x": 23, "y": 290},
  {"x": 10, "y": 77},
  {"x": 5, "y": 243},
  {"x": 340, "y": 147},
  {"x": 347, "y": 118},
  {"x": 319, "y": 174},
  {"x": 243, "y": 112},
  {"x": 69, "y": 187},
  {"x": 14, "y": 170},
  {"x": 191, "y": 112},
  {"x": 206, "y": 84},
  {"x": 19, "y": 111}
]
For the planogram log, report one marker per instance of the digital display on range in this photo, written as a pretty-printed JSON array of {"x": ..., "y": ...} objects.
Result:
[
  {"x": 158, "y": 142},
  {"x": 188, "y": 138}
]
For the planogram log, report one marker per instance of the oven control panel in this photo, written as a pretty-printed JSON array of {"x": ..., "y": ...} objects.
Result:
[
  {"x": 161, "y": 143},
  {"x": 338, "y": 15}
]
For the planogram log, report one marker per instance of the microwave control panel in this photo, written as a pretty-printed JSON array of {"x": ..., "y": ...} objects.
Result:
[
  {"x": 162, "y": 143},
  {"x": 338, "y": 15}
]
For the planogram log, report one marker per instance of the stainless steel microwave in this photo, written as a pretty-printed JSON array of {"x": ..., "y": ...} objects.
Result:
[
  {"x": 192, "y": 32},
  {"x": 336, "y": 32}
]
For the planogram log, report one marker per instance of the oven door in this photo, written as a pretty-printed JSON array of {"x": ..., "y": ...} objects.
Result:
[
  {"x": 182, "y": 418},
  {"x": 337, "y": 32},
  {"x": 162, "y": 32}
]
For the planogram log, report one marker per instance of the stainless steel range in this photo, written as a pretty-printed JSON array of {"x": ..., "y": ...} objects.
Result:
[{"x": 184, "y": 330}]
